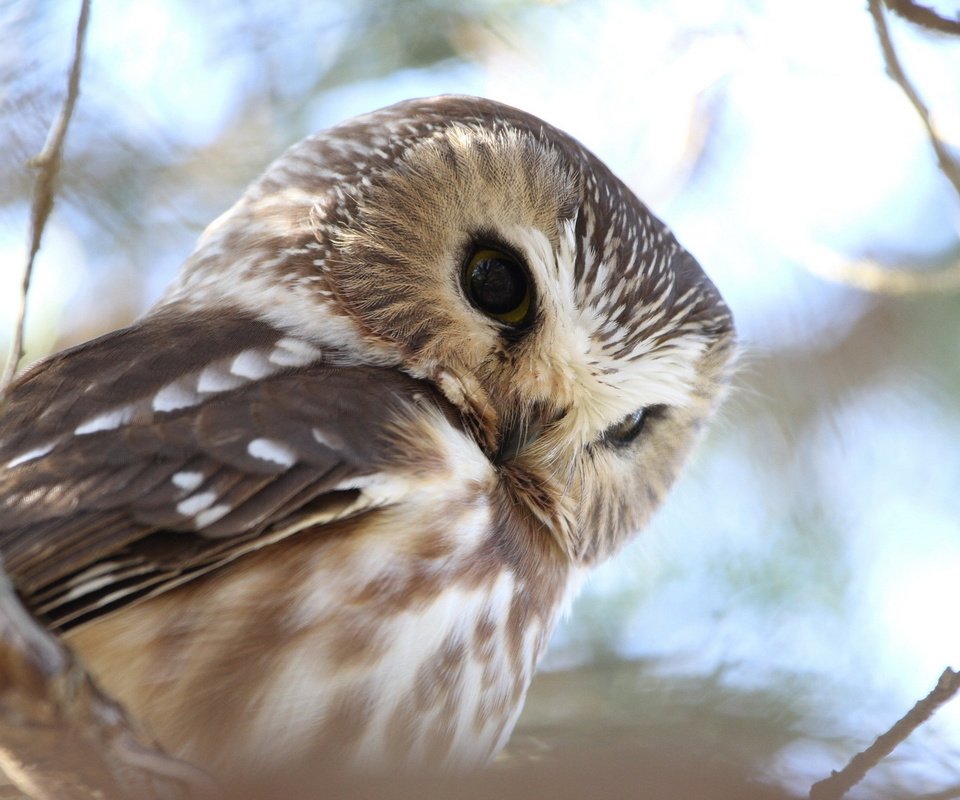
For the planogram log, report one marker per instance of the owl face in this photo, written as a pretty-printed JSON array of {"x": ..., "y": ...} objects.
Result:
[{"x": 477, "y": 248}]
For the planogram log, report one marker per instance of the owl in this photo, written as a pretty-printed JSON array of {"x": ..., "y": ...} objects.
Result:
[{"x": 326, "y": 500}]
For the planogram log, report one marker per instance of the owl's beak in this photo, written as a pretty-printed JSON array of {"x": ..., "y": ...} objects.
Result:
[
  {"x": 501, "y": 443},
  {"x": 516, "y": 439}
]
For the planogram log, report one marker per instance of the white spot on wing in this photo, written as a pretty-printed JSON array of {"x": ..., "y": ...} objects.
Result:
[
  {"x": 215, "y": 379},
  {"x": 174, "y": 396},
  {"x": 196, "y": 503},
  {"x": 252, "y": 365},
  {"x": 272, "y": 450},
  {"x": 290, "y": 352},
  {"x": 211, "y": 515},
  {"x": 30, "y": 455},
  {"x": 106, "y": 421},
  {"x": 187, "y": 480}
]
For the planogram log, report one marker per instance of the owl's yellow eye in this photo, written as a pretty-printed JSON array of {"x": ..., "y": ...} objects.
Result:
[{"x": 497, "y": 284}]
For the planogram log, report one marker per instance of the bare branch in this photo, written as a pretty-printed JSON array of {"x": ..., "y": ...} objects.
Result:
[
  {"x": 61, "y": 737},
  {"x": 923, "y": 16},
  {"x": 47, "y": 162},
  {"x": 948, "y": 165},
  {"x": 871, "y": 276},
  {"x": 839, "y": 783}
]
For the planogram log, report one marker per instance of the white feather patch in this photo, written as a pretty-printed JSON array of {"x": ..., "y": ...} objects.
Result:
[
  {"x": 107, "y": 421},
  {"x": 30, "y": 455},
  {"x": 272, "y": 450},
  {"x": 211, "y": 515},
  {"x": 196, "y": 503},
  {"x": 252, "y": 365},
  {"x": 215, "y": 378},
  {"x": 187, "y": 480},
  {"x": 290, "y": 352},
  {"x": 174, "y": 396}
]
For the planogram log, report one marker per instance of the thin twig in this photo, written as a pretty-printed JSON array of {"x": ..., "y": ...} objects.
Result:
[
  {"x": 47, "y": 163},
  {"x": 923, "y": 16},
  {"x": 866, "y": 274},
  {"x": 949, "y": 167},
  {"x": 839, "y": 783}
]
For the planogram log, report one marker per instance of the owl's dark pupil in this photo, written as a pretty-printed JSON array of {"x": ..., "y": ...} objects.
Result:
[{"x": 498, "y": 286}]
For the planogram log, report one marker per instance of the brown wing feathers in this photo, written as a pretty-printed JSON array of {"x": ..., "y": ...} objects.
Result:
[{"x": 156, "y": 453}]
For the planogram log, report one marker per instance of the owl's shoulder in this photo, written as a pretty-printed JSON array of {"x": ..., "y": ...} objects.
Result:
[{"x": 155, "y": 454}]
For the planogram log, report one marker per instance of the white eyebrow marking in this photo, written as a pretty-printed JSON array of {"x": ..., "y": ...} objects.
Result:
[
  {"x": 106, "y": 421},
  {"x": 290, "y": 352},
  {"x": 215, "y": 379},
  {"x": 272, "y": 450},
  {"x": 252, "y": 365},
  {"x": 30, "y": 455},
  {"x": 175, "y": 395},
  {"x": 196, "y": 503},
  {"x": 211, "y": 515},
  {"x": 187, "y": 480}
]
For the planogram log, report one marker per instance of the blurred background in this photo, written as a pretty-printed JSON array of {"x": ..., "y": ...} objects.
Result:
[{"x": 800, "y": 590}]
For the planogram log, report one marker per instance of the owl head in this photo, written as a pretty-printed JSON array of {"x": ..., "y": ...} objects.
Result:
[{"x": 487, "y": 253}]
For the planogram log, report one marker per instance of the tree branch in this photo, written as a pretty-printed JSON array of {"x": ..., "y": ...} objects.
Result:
[
  {"x": 866, "y": 274},
  {"x": 923, "y": 16},
  {"x": 47, "y": 163},
  {"x": 949, "y": 166},
  {"x": 61, "y": 737},
  {"x": 871, "y": 276},
  {"x": 839, "y": 783}
]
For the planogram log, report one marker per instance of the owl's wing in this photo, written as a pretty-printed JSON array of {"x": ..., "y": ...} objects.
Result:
[{"x": 157, "y": 453}]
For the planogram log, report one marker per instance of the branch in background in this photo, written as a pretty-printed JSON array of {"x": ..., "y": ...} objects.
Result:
[
  {"x": 923, "y": 16},
  {"x": 871, "y": 276},
  {"x": 61, "y": 737},
  {"x": 948, "y": 165},
  {"x": 47, "y": 162},
  {"x": 839, "y": 783}
]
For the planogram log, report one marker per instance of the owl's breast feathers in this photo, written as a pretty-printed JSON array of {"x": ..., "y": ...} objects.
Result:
[{"x": 229, "y": 489}]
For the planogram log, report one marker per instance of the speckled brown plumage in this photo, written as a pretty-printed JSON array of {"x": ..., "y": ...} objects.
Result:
[{"x": 320, "y": 504}]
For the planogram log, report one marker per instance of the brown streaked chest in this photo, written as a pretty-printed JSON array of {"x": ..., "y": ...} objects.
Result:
[{"x": 404, "y": 637}]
